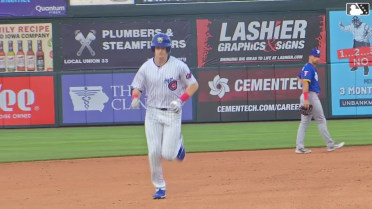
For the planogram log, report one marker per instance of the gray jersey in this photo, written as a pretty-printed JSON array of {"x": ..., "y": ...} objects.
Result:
[{"x": 163, "y": 84}]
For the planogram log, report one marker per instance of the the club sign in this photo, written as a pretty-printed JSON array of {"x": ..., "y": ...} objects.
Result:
[{"x": 104, "y": 98}]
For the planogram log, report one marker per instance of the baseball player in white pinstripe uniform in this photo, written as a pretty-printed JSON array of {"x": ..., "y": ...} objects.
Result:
[{"x": 168, "y": 83}]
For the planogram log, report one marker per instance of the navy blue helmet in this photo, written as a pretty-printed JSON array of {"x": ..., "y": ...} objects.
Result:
[{"x": 162, "y": 40}]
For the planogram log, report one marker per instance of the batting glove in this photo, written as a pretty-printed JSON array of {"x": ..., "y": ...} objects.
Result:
[
  {"x": 176, "y": 105},
  {"x": 135, "y": 103}
]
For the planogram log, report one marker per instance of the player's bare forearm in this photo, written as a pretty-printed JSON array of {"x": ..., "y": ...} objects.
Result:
[
  {"x": 190, "y": 90},
  {"x": 305, "y": 91},
  {"x": 305, "y": 86}
]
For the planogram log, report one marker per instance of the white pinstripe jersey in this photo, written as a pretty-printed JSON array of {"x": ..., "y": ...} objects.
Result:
[{"x": 163, "y": 84}]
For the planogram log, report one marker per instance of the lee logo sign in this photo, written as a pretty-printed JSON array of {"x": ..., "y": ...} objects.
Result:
[
  {"x": 23, "y": 99},
  {"x": 27, "y": 101}
]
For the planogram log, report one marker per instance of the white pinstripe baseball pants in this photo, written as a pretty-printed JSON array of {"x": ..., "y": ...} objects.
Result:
[{"x": 163, "y": 133}]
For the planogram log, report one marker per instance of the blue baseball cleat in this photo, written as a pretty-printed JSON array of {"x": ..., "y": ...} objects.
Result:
[
  {"x": 160, "y": 194},
  {"x": 181, "y": 153}
]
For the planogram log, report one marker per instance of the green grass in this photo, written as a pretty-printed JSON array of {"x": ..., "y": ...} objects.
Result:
[{"x": 70, "y": 143}]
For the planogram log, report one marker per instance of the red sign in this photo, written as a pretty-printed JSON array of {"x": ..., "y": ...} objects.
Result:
[
  {"x": 358, "y": 57},
  {"x": 354, "y": 52},
  {"x": 251, "y": 94},
  {"x": 251, "y": 40},
  {"x": 253, "y": 85},
  {"x": 27, "y": 100}
]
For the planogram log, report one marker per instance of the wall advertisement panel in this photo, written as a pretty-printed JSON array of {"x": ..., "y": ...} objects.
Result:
[
  {"x": 120, "y": 44},
  {"x": 253, "y": 40},
  {"x": 250, "y": 95},
  {"x": 351, "y": 63},
  {"x": 103, "y": 98},
  {"x": 27, "y": 101},
  {"x": 199, "y": 1},
  {"x": 99, "y": 2},
  {"x": 26, "y": 47},
  {"x": 27, "y": 8}
]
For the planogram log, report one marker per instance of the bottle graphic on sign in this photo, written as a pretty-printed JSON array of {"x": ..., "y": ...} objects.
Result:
[
  {"x": 10, "y": 58},
  {"x": 20, "y": 57},
  {"x": 40, "y": 65},
  {"x": 30, "y": 57},
  {"x": 2, "y": 58}
]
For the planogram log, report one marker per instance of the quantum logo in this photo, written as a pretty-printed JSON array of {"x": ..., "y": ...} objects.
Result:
[
  {"x": 23, "y": 99},
  {"x": 52, "y": 9},
  {"x": 219, "y": 86}
]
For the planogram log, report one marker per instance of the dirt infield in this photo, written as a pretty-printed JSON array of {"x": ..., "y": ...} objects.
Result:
[{"x": 273, "y": 179}]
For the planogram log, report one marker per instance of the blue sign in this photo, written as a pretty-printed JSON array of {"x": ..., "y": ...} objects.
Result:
[
  {"x": 103, "y": 98},
  {"x": 351, "y": 63},
  {"x": 27, "y": 8}
]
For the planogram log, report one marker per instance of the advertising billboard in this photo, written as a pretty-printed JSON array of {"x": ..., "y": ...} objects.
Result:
[
  {"x": 120, "y": 44},
  {"x": 351, "y": 64},
  {"x": 254, "y": 40},
  {"x": 28, "y": 8},
  {"x": 99, "y": 2},
  {"x": 251, "y": 94},
  {"x": 26, "y": 47},
  {"x": 27, "y": 101},
  {"x": 200, "y": 1},
  {"x": 104, "y": 98}
]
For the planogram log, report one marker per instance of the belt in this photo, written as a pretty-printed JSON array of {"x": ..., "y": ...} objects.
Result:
[{"x": 163, "y": 109}]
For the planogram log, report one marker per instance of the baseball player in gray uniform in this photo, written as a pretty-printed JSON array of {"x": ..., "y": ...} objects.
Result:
[
  {"x": 168, "y": 83},
  {"x": 309, "y": 96}
]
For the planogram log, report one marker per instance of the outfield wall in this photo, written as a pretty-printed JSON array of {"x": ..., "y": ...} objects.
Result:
[{"x": 246, "y": 64}]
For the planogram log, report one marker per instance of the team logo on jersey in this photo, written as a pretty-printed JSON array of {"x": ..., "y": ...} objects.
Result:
[
  {"x": 172, "y": 84},
  {"x": 188, "y": 75},
  {"x": 219, "y": 86},
  {"x": 306, "y": 72}
]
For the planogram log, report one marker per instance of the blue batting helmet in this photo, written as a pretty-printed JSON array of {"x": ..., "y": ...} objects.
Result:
[
  {"x": 162, "y": 40},
  {"x": 315, "y": 52}
]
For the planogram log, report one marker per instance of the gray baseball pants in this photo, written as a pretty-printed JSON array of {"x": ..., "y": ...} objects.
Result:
[{"x": 318, "y": 115}]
